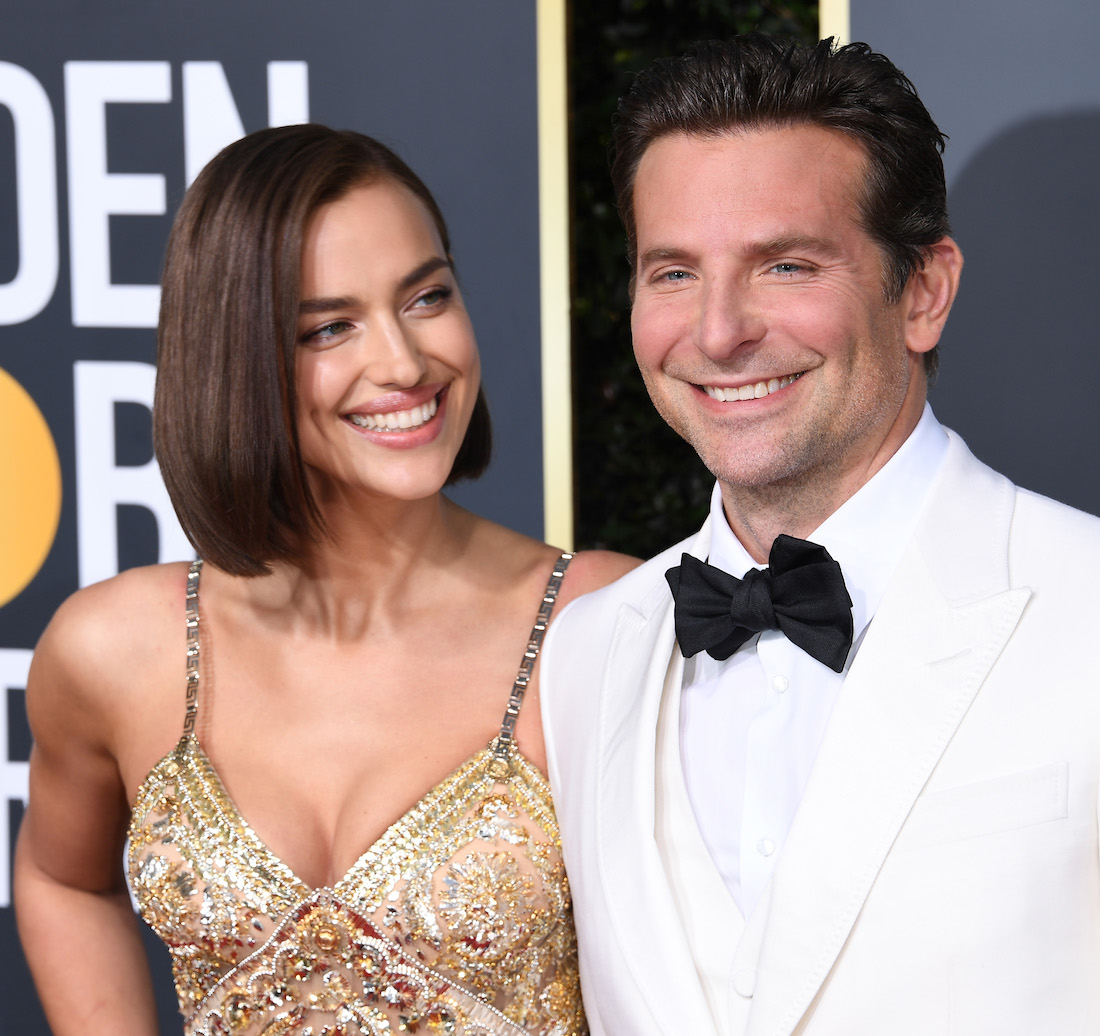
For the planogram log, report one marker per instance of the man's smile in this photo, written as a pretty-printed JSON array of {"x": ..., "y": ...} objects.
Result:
[{"x": 755, "y": 390}]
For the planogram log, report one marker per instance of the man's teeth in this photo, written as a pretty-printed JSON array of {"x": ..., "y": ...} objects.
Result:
[
  {"x": 396, "y": 420},
  {"x": 761, "y": 388}
]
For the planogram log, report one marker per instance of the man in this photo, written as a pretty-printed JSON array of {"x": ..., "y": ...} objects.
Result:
[{"x": 873, "y": 810}]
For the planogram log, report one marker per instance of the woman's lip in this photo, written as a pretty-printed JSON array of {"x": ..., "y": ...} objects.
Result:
[
  {"x": 406, "y": 438},
  {"x": 393, "y": 402}
]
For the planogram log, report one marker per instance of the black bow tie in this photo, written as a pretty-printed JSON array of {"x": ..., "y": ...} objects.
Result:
[{"x": 801, "y": 593}]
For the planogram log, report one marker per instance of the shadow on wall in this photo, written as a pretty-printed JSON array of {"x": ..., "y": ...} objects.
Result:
[{"x": 1020, "y": 357}]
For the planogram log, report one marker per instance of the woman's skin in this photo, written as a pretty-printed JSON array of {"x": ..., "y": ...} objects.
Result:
[{"x": 334, "y": 692}]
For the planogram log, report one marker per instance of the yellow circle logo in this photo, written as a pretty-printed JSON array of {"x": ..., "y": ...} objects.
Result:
[{"x": 30, "y": 477}]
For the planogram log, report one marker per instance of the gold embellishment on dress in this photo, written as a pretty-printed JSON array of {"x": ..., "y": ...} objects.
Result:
[
  {"x": 386, "y": 990},
  {"x": 456, "y": 921},
  {"x": 479, "y": 901}
]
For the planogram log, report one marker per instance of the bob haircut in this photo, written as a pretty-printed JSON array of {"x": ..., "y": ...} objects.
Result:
[
  {"x": 760, "y": 82},
  {"x": 223, "y": 416}
]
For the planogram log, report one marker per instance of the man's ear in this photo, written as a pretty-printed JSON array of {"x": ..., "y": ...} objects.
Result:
[{"x": 929, "y": 295}]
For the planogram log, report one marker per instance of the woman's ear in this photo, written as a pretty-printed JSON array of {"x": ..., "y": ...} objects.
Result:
[{"x": 929, "y": 294}]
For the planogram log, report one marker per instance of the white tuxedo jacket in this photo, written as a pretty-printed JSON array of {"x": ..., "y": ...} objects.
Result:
[{"x": 942, "y": 874}]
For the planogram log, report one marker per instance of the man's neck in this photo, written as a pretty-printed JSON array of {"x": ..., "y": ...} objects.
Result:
[
  {"x": 758, "y": 514},
  {"x": 797, "y": 506}
]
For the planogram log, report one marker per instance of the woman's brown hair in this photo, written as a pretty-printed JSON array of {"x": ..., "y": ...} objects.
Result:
[{"x": 223, "y": 415}]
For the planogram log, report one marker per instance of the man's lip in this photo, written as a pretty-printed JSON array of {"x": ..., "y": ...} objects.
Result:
[
  {"x": 394, "y": 402},
  {"x": 750, "y": 389}
]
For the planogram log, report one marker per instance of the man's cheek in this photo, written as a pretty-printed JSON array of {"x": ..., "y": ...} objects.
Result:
[{"x": 656, "y": 333}]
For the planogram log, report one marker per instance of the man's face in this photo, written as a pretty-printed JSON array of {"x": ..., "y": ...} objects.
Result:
[{"x": 754, "y": 279}]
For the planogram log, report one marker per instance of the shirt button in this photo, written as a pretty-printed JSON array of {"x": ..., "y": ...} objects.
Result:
[
  {"x": 765, "y": 847},
  {"x": 780, "y": 684},
  {"x": 744, "y": 982}
]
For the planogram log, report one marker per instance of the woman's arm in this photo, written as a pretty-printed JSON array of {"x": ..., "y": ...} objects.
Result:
[{"x": 79, "y": 931}]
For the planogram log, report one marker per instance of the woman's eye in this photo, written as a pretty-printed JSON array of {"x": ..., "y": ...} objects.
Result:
[
  {"x": 434, "y": 297},
  {"x": 328, "y": 331}
]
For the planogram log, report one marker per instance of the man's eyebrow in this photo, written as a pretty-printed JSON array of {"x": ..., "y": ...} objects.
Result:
[
  {"x": 327, "y": 303},
  {"x": 791, "y": 243},
  {"x": 661, "y": 255},
  {"x": 784, "y": 245}
]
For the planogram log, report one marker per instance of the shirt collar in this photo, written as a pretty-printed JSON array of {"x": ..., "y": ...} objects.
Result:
[{"x": 869, "y": 532}]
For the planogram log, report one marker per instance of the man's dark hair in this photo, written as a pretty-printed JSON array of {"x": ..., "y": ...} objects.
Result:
[
  {"x": 759, "y": 82},
  {"x": 224, "y": 411}
]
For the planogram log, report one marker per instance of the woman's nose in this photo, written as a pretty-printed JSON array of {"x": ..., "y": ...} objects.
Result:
[{"x": 393, "y": 356}]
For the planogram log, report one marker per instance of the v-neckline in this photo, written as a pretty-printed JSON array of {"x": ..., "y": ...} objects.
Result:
[
  {"x": 223, "y": 804},
  {"x": 216, "y": 794}
]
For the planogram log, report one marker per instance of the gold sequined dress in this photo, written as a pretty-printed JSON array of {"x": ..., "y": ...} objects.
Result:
[{"x": 456, "y": 921}]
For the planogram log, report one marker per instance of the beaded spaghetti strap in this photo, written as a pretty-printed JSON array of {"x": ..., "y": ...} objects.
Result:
[
  {"x": 502, "y": 744},
  {"x": 192, "y": 712}
]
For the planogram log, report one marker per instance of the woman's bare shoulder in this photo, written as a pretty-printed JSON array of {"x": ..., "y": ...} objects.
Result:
[
  {"x": 591, "y": 569},
  {"x": 108, "y": 635},
  {"x": 125, "y": 606},
  {"x": 523, "y": 561}
]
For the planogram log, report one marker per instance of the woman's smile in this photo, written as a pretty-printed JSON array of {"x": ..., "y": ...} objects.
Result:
[{"x": 397, "y": 420}]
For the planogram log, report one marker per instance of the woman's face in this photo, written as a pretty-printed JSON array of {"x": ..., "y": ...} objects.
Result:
[{"x": 387, "y": 368}]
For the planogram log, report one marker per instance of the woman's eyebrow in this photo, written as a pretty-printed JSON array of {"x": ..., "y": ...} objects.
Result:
[
  {"x": 427, "y": 267},
  {"x": 325, "y": 303}
]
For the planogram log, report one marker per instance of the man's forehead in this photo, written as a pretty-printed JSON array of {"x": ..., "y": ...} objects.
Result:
[
  {"x": 687, "y": 147},
  {"x": 777, "y": 167}
]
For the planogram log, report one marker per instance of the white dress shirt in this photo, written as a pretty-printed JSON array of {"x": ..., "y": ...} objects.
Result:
[{"x": 751, "y": 726}]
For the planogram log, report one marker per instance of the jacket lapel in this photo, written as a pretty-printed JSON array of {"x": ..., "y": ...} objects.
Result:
[
  {"x": 944, "y": 620},
  {"x": 641, "y": 662}
]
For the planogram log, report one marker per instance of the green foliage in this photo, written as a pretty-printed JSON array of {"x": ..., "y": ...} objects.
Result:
[{"x": 639, "y": 487}]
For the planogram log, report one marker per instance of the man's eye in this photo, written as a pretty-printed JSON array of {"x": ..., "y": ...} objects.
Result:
[{"x": 787, "y": 268}]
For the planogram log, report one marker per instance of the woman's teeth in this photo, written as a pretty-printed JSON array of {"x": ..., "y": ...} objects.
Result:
[
  {"x": 761, "y": 388},
  {"x": 396, "y": 420}
]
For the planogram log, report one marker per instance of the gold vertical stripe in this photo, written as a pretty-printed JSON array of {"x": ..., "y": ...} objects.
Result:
[
  {"x": 834, "y": 19},
  {"x": 557, "y": 406}
]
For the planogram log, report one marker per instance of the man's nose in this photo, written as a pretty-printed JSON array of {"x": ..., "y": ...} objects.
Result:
[{"x": 729, "y": 317}]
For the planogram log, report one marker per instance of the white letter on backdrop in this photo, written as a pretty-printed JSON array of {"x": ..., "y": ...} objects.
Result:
[
  {"x": 14, "y": 663},
  {"x": 101, "y": 484},
  {"x": 26, "y": 295},
  {"x": 287, "y": 93},
  {"x": 210, "y": 116},
  {"x": 95, "y": 195}
]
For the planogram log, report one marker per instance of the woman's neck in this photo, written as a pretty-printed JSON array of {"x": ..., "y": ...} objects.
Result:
[{"x": 374, "y": 565}]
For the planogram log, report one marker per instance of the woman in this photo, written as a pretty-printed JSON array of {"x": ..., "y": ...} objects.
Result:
[{"x": 350, "y": 643}]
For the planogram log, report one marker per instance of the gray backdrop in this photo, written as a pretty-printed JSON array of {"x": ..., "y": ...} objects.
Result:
[
  {"x": 1016, "y": 86},
  {"x": 93, "y": 93}
]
